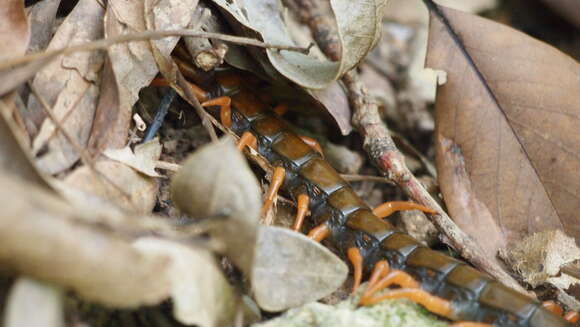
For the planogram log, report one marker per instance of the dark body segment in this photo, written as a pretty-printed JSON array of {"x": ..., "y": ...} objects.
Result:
[{"x": 474, "y": 296}]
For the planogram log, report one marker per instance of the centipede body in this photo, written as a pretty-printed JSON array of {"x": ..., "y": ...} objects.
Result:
[{"x": 473, "y": 295}]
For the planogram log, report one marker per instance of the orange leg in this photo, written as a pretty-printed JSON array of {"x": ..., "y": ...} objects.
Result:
[
  {"x": 225, "y": 104},
  {"x": 280, "y": 109},
  {"x": 553, "y": 306},
  {"x": 386, "y": 209},
  {"x": 356, "y": 260},
  {"x": 319, "y": 232},
  {"x": 275, "y": 183},
  {"x": 247, "y": 139},
  {"x": 303, "y": 201},
  {"x": 312, "y": 143},
  {"x": 572, "y": 317},
  {"x": 432, "y": 303}
]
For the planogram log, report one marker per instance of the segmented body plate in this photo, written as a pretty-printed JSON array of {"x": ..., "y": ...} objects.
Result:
[{"x": 474, "y": 295}]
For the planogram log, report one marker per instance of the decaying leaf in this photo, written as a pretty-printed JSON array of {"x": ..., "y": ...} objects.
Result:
[
  {"x": 34, "y": 304},
  {"x": 69, "y": 86},
  {"x": 217, "y": 182},
  {"x": 291, "y": 270},
  {"x": 110, "y": 124},
  {"x": 539, "y": 258},
  {"x": 358, "y": 28},
  {"x": 511, "y": 106},
  {"x": 399, "y": 313},
  {"x": 42, "y": 16},
  {"x": 123, "y": 186},
  {"x": 144, "y": 159},
  {"x": 14, "y": 160},
  {"x": 133, "y": 63},
  {"x": 201, "y": 294},
  {"x": 40, "y": 237},
  {"x": 14, "y": 29}
]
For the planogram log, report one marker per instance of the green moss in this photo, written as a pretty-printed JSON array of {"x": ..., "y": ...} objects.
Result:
[{"x": 392, "y": 313}]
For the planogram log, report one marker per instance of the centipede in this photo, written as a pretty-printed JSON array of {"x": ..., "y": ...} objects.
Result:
[{"x": 376, "y": 250}]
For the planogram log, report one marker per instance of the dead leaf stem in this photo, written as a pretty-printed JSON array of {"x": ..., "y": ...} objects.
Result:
[
  {"x": 386, "y": 156},
  {"x": 143, "y": 36}
]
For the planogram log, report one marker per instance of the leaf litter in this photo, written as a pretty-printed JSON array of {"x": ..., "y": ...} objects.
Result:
[{"x": 103, "y": 220}]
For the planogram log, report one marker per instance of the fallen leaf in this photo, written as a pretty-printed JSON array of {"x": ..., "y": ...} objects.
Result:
[
  {"x": 69, "y": 86},
  {"x": 110, "y": 124},
  {"x": 14, "y": 29},
  {"x": 143, "y": 160},
  {"x": 14, "y": 160},
  {"x": 290, "y": 269},
  {"x": 40, "y": 237},
  {"x": 133, "y": 63},
  {"x": 123, "y": 186},
  {"x": 358, "y": 28},
  {"x": 42, "y": 16},
  {"x": 216, "y": 181},
  {"x": 201, "y": 294},
  {"x": 540, "y": 257},
  {"x": 28, "y": 295},
  {"x": 511, "y": 106}
]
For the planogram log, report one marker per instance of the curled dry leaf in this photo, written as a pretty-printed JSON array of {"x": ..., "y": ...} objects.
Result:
[
  {"x": 217, "y": 182},
  {"x": 14, "y": 29},
  {"x": 143, "y": 160},
  {"x": 290, "y": 269},
  {"x": 69, "y": 86},
  {"x": 123, "y": 186},
  {"x": 14, "y": 160},
  {"x": 133, "y": 63},
  {"x": 539, "y": 258},
  {"x": 42, "y": 16},
  {"x": 358, "y": 28},
  {"x": 34, "y": 304},
  {"x": 40, "y": 237},
  {"x": 201, "y": 294},
  {"x": 511, "y": 106}
]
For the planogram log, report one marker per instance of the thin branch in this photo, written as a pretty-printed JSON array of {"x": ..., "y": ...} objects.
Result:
[
  {"x": 387, "y": 158},
  {"x": 143, "y": 36}
]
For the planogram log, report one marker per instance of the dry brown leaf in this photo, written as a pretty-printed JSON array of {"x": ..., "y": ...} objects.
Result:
[
  {"x": 69, "y": 85},
  {"x": 130, "y": 190},
  {"x": 110, "y": 124},
  {"x": 539, "y": 258},
  {"x": 217, "y": 182},
  {"x": 201, "y": 294},
  {"x": 290, "y": 269},
  {"x": 133, "y": 62},
  {"x": 42, "y": 16},
  {"x": 515, "y": 120},
  {"x": 40, "y": 237},
  {"x": 358, "y": 28},
  {"x": 30, "y": 296},
  {"x": 14, "y": 29},
  {"x": 143, "y": 160},
  {"x": 14, "y": 160}
]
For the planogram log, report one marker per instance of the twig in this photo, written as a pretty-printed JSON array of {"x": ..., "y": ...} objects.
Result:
[
  {"x": 388, "y": 159},
  {"x": 143, "y": 36}
]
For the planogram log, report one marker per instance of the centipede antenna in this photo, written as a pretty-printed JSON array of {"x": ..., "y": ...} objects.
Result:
[{"x": 159, "y": 116}]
